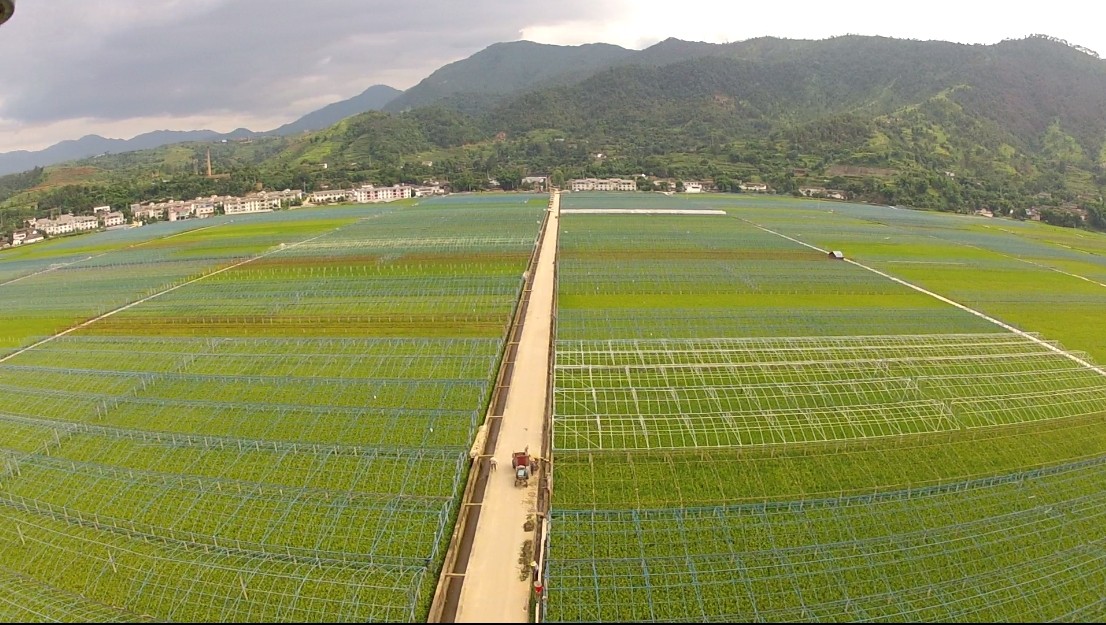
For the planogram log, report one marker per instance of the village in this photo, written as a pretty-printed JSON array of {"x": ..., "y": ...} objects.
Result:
[{"x": 104, "y": 218}]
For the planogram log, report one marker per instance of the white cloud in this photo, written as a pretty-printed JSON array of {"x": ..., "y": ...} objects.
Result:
[
  {"x": 18, "y": 136},
  {"x": 642, "y": 22},
  {"x": 120, "y": 67}
]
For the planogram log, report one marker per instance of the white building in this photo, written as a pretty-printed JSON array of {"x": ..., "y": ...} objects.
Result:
[
  {"x": 259, "y": 202},
  {"x": 147, "y": 211},
  {"x": 368, "y": 193},
  {"x": 822, "y": 192},
  {"x": 328, "y": 196},
  {"x": 66, "y": 224},
  {"x": 179, "y": 211},
  {"x": 25, "y": 236},
  {"x": 537, "y": 183},
  {"x": 113, "y": 219},
  {"x": 755, "y": 187},
  {"x": 249, "y": 204},
  {"x": 82, "y": 223},
  {"x": 432, "y": 189},
  {"x": 693, "y": 187},
  {"x": 202, "y": 208},
  {"x": 101, "y": 209},
  {"x": 605, "y": 184}
]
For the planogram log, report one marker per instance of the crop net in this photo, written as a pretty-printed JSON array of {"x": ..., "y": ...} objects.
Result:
[
  {"x": 285, "y": 438},
  {"x": 747, "y": 430}
]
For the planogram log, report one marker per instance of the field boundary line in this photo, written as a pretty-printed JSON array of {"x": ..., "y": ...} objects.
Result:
[
  {"x": 124, "y": 307},
  {"x": 1030, "y": 262},
  {"x": 941, "y": 298},
  {"x": 53, "y": 267},
  {"x": 57, "y": 266}
]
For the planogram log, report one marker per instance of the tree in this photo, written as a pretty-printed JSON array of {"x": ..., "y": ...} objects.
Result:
[
  {"x": 557, "y": 179},
  {"x": 510, "y": 179},
  {"x": 464, "y": 181}
]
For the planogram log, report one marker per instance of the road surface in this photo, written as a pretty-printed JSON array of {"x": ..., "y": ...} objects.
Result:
[{"x": 497, "y": 587}]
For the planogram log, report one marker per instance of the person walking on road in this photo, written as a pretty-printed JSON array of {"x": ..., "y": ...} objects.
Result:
[{"x": 494, "y": 463}]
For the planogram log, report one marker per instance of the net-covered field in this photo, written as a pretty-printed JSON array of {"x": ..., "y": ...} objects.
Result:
[
  {"x": 1034, "y": 276},
  {"x": 730, "y": 392},
  {"x": 745, "y": 429},
  {"x": 283, "y": 440},
  {"x": 55, "y": 284}
]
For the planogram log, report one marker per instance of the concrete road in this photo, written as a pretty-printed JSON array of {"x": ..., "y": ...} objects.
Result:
[{"x": 497, "y": 586}]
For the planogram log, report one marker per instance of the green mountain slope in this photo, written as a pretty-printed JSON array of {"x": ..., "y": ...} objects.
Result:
[
  {"x": 372, "y": 99},
  {"x": 504, "y": 68},
  {"x": 1012, "y": 126}
]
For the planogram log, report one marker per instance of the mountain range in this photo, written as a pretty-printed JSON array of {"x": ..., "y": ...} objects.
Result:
[
  {"x": 484, "y": 78},
  {"x": 372, "y": 99},
  {"x": 929, "y": 123}
]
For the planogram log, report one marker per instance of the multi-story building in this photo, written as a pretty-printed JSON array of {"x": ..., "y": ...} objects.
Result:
[
  {"x": 179, "y": 210},
  {"x": 249, "y": 204},
  {"x": 368, "y": 193},
  {"x": 204, "y": 208},
  {"x": 327, "y": 197},
  {"x": 82, "y": 223},
  {"x": 112, "y": 220},
  {"x": 147, "y": 211},
  {"x": 259, "y": 202},
  {"x": 66, "y": 224},
  {"x": 603, "y": 184}
]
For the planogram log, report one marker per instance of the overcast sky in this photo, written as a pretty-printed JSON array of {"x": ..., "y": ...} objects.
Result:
[{"x": 118, "y": 68}]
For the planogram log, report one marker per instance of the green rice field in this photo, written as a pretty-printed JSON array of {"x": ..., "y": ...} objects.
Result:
[
  {"x": 280, "y": 432},
  {"x": 748, "y": 430}
]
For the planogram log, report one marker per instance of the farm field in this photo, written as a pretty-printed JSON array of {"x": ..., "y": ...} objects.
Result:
[
  {"x": 284, "y": 439},
  {"x": 50, "y": 286},
  {"x": 745, "y": 429}
]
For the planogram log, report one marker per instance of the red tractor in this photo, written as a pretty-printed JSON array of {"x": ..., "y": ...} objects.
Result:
[{"x": 524, "y": 466}]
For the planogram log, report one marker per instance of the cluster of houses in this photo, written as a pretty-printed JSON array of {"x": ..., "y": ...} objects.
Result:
[
  {"x": 264, "y": 201},
  {"x": 819, "y": 192},
  {"x": 368, "y": 194},
  {"x": 689, "y": 186},
  {"x": 38, "y": 229},
  {"x": 201, "y": 207},
  {"x": 101, "y": 217}
]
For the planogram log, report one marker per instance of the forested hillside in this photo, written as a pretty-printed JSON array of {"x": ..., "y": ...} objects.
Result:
[{"x": 1011, "y": 127}]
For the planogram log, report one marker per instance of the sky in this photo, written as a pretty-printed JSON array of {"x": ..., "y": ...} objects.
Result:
[{"x": 118, "y": 68}]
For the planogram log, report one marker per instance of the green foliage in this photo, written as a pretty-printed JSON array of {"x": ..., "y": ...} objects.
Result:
[
  {"x": 15, "y": 183},
  {"x": 284, "y": 439},
  {"x": 745, "y": 430},
  {"x": 931, "y": 125}
]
